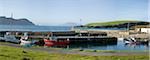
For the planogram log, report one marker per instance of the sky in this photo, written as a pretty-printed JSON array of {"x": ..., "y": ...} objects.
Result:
[{"x": 57, "y": 12}]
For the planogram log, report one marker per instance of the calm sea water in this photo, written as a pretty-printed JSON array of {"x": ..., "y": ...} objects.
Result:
[
  {"x": 33, "y": 28},
  {"x": 120, "y": 45}
]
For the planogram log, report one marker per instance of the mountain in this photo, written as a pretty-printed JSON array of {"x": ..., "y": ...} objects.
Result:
[{"x": 11, "y": 21}]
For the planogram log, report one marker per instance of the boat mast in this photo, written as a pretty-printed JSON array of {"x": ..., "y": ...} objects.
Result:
[
  {"x": 80, "y": 22},
  {"x": 80, "y": 28},
  {"x": 128, "y": 26},
  {"x": 11, "y": 15},
  {"x": 11, "y": 23}
]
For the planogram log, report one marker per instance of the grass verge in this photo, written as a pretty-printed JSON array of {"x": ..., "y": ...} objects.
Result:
[{"x": 13, "y": 53}]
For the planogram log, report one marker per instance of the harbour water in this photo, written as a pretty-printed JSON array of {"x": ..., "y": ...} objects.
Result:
[
  {"x": 119, "y": 45},
  {"x": 47, "y": 28},
  {"x": 33, "y": 28}
]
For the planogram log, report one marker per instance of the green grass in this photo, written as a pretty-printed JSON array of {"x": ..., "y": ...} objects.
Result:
[
  {"x": 110, "y": 23},
  {"x": 108, "y": 51},
  {"x": 12, "y": 53}
]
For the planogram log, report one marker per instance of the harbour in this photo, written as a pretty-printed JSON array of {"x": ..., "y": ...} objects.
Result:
[
  {"x": 74, "y": 30},
  {"x": 98, "y": 40}
]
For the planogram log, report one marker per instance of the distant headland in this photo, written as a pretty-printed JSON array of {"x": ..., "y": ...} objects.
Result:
[
  {"x": 116, "y": 24},
  {"x": 11, "y": 21}
]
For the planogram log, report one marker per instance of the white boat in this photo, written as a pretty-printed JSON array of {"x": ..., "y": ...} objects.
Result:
[
  {"x": 23, "y": 41},
  {"x": 130, "y": 40},
  {"x": 127, "y": 42},
  {"x": 10, "y": 38},
  {"x": 2, "y": 39}
]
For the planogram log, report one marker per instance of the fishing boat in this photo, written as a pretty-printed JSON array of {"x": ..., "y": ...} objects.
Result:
[
  {"x": 24, "y": 41},
  {"x": 55, "y": 43},
  {"x": 8, "y": 37}
]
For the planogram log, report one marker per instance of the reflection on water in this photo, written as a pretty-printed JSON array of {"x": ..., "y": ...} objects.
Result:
[
  {"x": 86, "y": 45},
  {"x": 123, "y": 46},
  {"x": 135, "y": 46},
  {"x": 119, "y": 45}
]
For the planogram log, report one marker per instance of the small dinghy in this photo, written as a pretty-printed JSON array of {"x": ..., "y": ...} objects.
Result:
[{"x": 130, "y": 40}]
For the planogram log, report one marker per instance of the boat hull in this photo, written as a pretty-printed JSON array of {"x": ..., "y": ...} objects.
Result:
[{"x": 54, "y": 43}]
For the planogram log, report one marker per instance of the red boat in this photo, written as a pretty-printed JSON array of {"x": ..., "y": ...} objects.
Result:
[{"x": 53, "y": 42}]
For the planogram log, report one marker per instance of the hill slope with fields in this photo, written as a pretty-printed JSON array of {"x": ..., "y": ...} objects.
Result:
[{"x": 117, "y": 24}]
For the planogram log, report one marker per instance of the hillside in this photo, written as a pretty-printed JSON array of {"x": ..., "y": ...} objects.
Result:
[
  {"x": 116, "y": 24},
  {"x": 112, "y": 23},
  {"x": 11, "y": 21}
]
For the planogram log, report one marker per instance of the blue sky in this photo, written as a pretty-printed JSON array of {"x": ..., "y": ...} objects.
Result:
[{"x": 57, "y": 12}]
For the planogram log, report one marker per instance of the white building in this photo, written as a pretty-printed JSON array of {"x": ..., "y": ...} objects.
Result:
[{"x": 145, "y": 30}]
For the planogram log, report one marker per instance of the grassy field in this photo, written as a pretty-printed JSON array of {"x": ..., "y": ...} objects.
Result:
[
  {"x": 110, "y": 23},
  {"x": 12, "y": 53}
]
